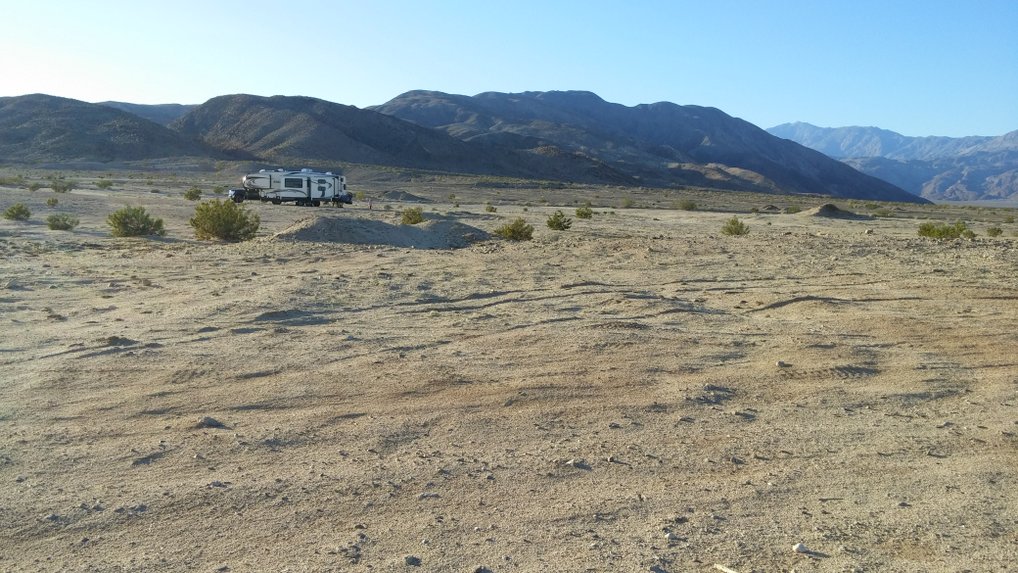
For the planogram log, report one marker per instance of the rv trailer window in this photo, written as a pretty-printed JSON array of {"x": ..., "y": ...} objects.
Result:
[
  {"x": 295, "y": 182},
  {"x": 322, "y": 181}
]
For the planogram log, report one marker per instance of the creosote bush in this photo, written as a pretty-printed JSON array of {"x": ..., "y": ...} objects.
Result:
[
  {"x": 17, "y": 212},
  {"x": 34, "y": 186},
  {"x": 104, "y": 184},
  {"x": 489, "y": 208},
  {"x": 224, "y": 220},
  {"x": 412, "y": 216},
  {"x": 134, "y": 222},
  {"x": 734, "y": 227},
  {"x": 61, "y": 222},
  {"x": 686, "y": 205},
  {"x": 944, "y": 231},
  {"x": 52, "y": 202},
  {"x": 192, "y": 194},
  {"x": 584, "y": 212},
  {"x": 518, "y": 230},
  {"x": 62, "y": 186},
  {"x": 994, "y": 231},
  {"x": 559, "y": 221}
]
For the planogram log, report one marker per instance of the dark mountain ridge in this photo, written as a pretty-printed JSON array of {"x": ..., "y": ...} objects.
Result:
[
  {"x": 938, "y": 168},
  {"x": 660, "y": 144},
  {"x": 563, "y": 136},
  {"x": 41, "y": 127}
]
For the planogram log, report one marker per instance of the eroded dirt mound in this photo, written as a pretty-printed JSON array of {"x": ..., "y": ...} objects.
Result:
[
  {"x": 832, "y": 211},
  {"x": 431, "y": 234},
  {"x": 403, "y": 197}
]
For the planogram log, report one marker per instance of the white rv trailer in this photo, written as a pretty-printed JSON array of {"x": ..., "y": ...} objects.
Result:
[{"x": 305, "y": 187}]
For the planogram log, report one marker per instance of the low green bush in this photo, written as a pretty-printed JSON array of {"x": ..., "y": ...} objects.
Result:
[
  {"x": 62, "y": 186},
  {"x": 994, "y": 232},
  {"x": 224, "y": 220},
  {"x": 192, "y": 194},
  {"x": 412, "y": 216},
  {"x": 734, "y": 227},
  {"x": 134, "y": 222},
  {"x": 944, "y": 231},
  {"x": 52, "y": 202},
  {"x": 559, "y": 222},
  {"x": 584, "y": 212},
  {"x": 17, "y": 212},
  {"x": 61, "y": 222},
  {"x": 489, "y": 208},
  {"x": 518, "y": 230},
  {"x": 104, "y": 184},
  {"x": 686, "y": 205}
]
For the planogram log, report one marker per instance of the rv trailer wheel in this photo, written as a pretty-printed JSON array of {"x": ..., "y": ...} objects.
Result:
[
  {"x": 316, "y": 203},
  {"x": 276, "y": 200}
]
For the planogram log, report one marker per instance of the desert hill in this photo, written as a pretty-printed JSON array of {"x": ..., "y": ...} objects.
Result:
[
  {"x": 559, "y": 136},
  {"x": 41, "y": 127},
  {"x": 952, "y": 168},
  {"x": 302, "y": 129},
  {"x": 659, "y": 144}
]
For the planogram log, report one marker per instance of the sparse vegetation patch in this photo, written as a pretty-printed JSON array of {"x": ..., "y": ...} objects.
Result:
[
  {"x": 584, "y": 212},
  {"x": 944, "y": 231}
]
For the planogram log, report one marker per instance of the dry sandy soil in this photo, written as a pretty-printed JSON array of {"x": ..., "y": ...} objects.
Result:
[{"x": 638, "y": 393}]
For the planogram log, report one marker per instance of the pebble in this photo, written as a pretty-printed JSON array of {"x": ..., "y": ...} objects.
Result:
[
  {"x": 428, "y": 495},
  {"x": 412, "y": 560},
  {"x": 801, "y": 548},
  {"x": 781, "y": 364}
]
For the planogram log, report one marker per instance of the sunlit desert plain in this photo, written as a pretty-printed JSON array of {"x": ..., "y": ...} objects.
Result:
[{"x": 639, "y": 392}]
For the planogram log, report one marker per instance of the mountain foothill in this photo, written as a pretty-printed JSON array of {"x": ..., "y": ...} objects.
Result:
[{"x": 568, "y": 136}]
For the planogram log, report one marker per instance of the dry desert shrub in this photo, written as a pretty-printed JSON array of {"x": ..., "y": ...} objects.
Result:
[
  {"x": 944, "y": 231},
  {"x": 61, "y": 222},
  {"x": 734, "y": 227},
  {"x": 559, "y": 221},
  {"x": 134, "y": 222},
  {"x": 412, "y": 216},
  {"x": 224, "y": 220},
  {"x": 192, "y": 194},
  {"x": 518, "y": 230},
  {"x": 584, "y": 212},
  {"x": 17, "y": 212}
]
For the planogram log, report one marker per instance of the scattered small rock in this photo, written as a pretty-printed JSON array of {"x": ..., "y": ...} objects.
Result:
[
  {"x": 428, "y": 495},
  {"x": 412, "y": 560},
  {"x": 210, "y": 422},
  {"x": 781, "y": 364},
  {"x": 578, "y": 463},
  {"x": 801, "y": 548}
]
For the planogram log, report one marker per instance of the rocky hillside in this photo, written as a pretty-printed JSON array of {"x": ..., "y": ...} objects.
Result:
[
  {"x": 661, "y": 144},
  {"x": 46, "y": 128},
  {"x": 303, "y": 129},
  {"x": 938, "y": 168},
  {"x": 561, "y": 136}
]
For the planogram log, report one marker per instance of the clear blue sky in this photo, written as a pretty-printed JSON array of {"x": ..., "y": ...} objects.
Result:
[{"x": 928, "y": 67}]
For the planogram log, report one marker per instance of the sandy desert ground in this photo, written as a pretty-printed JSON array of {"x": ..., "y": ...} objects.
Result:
[{"x": 638, "y": 393}]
